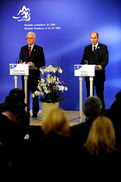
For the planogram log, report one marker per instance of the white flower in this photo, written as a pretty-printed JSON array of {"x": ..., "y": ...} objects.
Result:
[
  {"x": 48, "y": 80},
  {"x": 57, "y": 80},
  {"x": 33, "y": 95},
  {"x": 56, "y": 83},
  {"x": 66, "y": 88},
  {"x": 61, "y": 88},
  {"x": 41, "y": 93},
  {"x": 37, "y": 93},
  {"x": 42, "y": 71},
  {"x": 42, "y": 81},
  {"x": 49, "y": 76},
  {"x": 50, "y": 84},
  {"x": 44, "y": 88},
  {"x": 39, "y": 88},
  {"x": 60, "y": 70},
  {"x": 50, "y": 68}
]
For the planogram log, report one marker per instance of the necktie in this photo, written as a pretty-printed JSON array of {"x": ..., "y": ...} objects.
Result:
[
  {"x": 29, "y": 51},
  {"x": 94, "y": 50}
]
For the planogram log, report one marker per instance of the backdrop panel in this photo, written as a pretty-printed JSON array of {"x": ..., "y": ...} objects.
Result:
[{"x": 62, "y": 28}]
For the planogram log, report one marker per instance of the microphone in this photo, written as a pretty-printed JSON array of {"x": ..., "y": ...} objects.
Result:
[
  {"x": 16, "y": 60},
  {"x": 85, "y": 61},
  {"x": 20, "y": 61}
]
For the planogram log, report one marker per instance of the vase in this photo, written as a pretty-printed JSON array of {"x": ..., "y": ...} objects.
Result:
[{"x": 48, "y": 106}]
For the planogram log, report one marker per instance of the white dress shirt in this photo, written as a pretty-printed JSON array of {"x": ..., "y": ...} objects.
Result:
[{"x": 95, "y": 47}]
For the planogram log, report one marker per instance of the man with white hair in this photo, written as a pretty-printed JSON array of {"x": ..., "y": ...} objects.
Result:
[{"x": 32, "y": 54}]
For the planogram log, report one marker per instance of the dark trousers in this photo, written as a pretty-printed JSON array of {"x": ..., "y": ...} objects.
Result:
[{"x": 99, "y": 87}]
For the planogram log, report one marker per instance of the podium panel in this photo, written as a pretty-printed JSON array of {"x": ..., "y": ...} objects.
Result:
[
  {"x": 84, "y": 70},
  {"x": 21, "y": 69}
]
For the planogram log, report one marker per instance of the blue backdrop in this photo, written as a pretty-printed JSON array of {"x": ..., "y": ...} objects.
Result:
[{"x": 62, "y": 28}]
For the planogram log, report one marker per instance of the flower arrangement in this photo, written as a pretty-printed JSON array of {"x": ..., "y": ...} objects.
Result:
[{"x": 50, "y": 87}]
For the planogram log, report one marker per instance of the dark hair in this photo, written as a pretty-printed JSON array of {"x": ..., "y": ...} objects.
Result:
[
  {"x": 14, "y": 107},
  {"x": 118, "y": 96},
  {"x": 16, "y": 95},
  {"x": 17, "y": 92},
  {"x": 14, "y": 102}
]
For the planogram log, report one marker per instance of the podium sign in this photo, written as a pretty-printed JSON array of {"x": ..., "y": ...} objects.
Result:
[
  {"x": 19, "y": 69},
  {"x": 84, "y": 70}
]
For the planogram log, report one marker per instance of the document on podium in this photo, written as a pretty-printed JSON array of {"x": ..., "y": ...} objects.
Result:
[{"x": 32, "y": 67}]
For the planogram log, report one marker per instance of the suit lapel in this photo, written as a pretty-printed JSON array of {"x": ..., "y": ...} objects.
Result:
[
  {"x": 27, "y": 50},
  {"x": 90, "y": 50},
  {"x": 27, "y": 53},
  {"x": 98, "y": 47}
]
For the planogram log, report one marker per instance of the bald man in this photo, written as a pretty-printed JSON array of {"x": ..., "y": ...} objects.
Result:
[{"x": 97, "y": 54}]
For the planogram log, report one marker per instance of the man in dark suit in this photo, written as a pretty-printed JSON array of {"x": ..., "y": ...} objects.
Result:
[
  {"x": 32, "y": 54},
  {"x": 17, "y": 95},
  {"x": 12, "y": 112},
  {"x": 96, "y": 54},
  {"x": 79, "y": 132}
]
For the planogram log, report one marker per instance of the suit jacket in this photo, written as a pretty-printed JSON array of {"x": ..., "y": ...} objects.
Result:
[
  {"x": 37, "y": 55},
  {"x": 38, "y": 58},
  {"x": 79, "y": 132},
  {"x": 99, "y": 58},
  {"x": 9, "y": 132}
]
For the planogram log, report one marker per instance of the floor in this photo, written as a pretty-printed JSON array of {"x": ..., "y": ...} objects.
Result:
[{"x": 73, "y": 117}]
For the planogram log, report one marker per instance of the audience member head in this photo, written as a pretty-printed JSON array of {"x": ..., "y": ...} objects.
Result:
[
  {"x": 115, "y": 109},
  {"x": 56, "y": 121},
  {"x": 101, "y": 136},
  {"x": 13, "y": 110},
  {"x": 17, "y": 95},
  {"x": 118, "y": 96},
  {"x": 92, "y": 107},
  {"x": 14, "y": 105}
]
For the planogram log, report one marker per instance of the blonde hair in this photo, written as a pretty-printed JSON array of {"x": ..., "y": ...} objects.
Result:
[
  {"x": 101, "y": 136},
  {"x": 56, "y": 121}
]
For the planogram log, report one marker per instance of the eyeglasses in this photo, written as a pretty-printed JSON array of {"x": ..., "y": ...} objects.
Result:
[{"x": 29, "y": 38}]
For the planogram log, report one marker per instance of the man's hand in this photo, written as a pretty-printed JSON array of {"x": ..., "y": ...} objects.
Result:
[
  {"x": 100, "y": 67},
  {"x": 31, "y": 63}
]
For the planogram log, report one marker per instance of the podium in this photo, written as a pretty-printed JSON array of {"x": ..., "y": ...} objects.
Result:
[
  {"x": 81, "y": 71},
  {"x": 21, "y": 69}
]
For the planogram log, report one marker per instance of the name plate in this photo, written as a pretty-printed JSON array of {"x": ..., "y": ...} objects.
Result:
[
  {"x": 19, "y": 69},
  {"x": 84, "y": 70}
]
